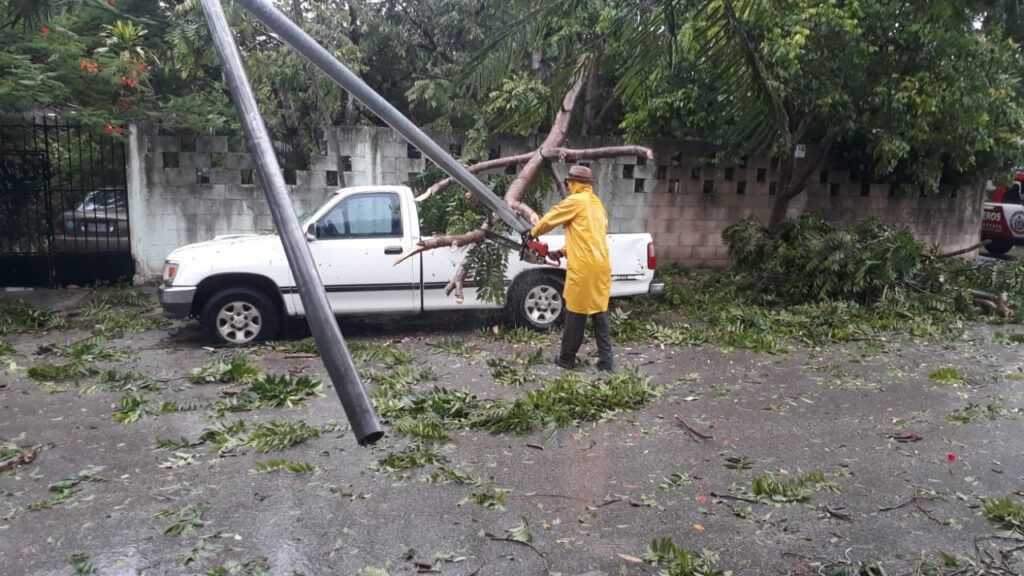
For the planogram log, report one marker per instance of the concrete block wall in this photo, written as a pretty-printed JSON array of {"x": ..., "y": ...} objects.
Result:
[{"x": 186, "y": 188}]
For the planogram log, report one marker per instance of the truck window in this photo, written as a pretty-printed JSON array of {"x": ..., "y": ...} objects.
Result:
[{"x": 373, "y": 215}]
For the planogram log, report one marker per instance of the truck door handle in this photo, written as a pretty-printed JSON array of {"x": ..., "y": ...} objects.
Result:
[{"x": 393, "y": 250}]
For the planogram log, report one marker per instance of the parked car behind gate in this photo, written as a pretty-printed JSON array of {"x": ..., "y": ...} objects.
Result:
[{"x": 99, "y": 223}]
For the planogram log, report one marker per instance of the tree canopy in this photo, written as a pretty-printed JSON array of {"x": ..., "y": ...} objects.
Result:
[{"x": 926, "y": 94}]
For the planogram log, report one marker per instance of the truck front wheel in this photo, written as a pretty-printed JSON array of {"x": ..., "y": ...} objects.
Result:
[
  {"x": 999, "y": 247},
  {"x": 536, "y": 301},
  {"x": 240, "y": 316}
]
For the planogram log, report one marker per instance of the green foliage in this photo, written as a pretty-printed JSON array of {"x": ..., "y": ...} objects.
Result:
[
  {"x": 515, "y": 371},
  {"x": 255, "y": 567},
  {"x": 974, "y": 412},
  {"x": 767, "y": 488},
  {"x": 81, "y": 564},
  {"x": 443, "y": 475},
  {"x": 947, "y": 375},
  {"x": 69, "y": 486},
  {"x": 677, "y": 561},
  {"x": 20, "y": 317},
  {"x": 454, "y": 346},
  {"x": 226, "y": 369},
  {"x": 75, "y": 370},
  {"x": 269, "y": 391},
  {"x": 415, "y": 455},
  {"x": 1008, "y": 514},
  {"x": 387, "y": 353},
  {"x": 225, "y": 438},
  {"x": 808, "y": 261},
  {"x": 491, "y": 498},
  {"x": 6, "y": 349},
  {"x": 273, "y": 436},
  {"x": 675, "y": 480},
  {"x": 186, "y": 520},
  {"x": 281, "y": 464},
  {"x": 304, "y": 346},
  {"x": 568, "y": 401}
]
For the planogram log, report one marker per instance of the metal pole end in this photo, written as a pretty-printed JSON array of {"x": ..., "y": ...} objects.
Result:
[{"x": 370, "y": 437}]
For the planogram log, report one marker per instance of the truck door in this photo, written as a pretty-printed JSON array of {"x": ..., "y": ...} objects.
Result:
[{"x": 355, "y": 247}]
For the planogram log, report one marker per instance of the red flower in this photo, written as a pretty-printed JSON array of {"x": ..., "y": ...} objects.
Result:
[
  {"x": 951, "y": 457},
  {"x": 45, "y": 31},
  {"x": 108, "y": 129},
  {"x": 124, "y": 80},
  {"x": 118, "y": 130},
  {"x": 142, "y": 65}
]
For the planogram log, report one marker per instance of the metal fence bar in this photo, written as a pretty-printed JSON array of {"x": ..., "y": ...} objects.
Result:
[
  {"x": 322, "y": 323},
  {"x": 325, "y": 61}
]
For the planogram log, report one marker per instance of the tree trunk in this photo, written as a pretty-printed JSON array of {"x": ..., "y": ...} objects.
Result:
[{"x": 790, "y": 186}]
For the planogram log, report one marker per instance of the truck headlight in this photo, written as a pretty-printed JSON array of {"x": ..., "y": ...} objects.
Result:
[{"x": 170, "y": 271}]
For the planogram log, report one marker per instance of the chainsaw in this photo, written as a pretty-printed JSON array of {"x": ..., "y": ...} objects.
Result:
[{"x": 530, "y": 249}]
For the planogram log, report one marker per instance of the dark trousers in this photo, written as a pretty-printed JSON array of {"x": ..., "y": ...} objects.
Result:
[{"x": 572, "y": 338}]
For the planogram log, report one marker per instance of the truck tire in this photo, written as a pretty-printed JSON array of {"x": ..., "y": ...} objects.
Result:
[
  {"x": 536, "y": 301},
  {"x": 999, "y": 247},
  {"x": 239, "y": 316}
]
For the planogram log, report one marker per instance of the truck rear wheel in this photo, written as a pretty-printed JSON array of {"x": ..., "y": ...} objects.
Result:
[
  {"x": 536, "y": 301},
  {"x": 999, "y": 247},
  {"x": 240, "y": 316}
]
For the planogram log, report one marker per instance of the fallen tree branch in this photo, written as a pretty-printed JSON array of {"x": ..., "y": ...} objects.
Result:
[
  {"x": 995, "y": 303},
  {"x": 473, "y": 169},
  {"x": 559, "y": 154},
  {"x": 454, "y": 242},
  {"x": 971, "y": 248},
  {"x": 736, "y": 498},
  {"x": 24, "y": 457},
  {"x": 695, "y": 434}
]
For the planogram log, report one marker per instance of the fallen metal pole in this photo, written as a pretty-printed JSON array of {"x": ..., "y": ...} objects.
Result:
[
  {"x": 322, "y": 323},
  {"x": 290, "y": 33}
]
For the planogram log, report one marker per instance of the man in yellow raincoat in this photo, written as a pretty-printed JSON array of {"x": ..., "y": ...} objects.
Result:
[{"x": 588, "y": 280}]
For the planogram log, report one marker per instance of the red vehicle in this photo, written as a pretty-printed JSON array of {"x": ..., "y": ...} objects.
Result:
[{"x": 1002, "y": 223}]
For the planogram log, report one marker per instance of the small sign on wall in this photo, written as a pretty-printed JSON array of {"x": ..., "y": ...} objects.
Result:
[{"x": 800, "y": 151}]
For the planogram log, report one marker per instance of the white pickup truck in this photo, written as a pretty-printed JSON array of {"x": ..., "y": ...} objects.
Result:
[{"x": 241, "y": 288}]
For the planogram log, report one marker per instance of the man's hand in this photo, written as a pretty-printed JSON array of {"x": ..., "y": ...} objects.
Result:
[
  {"x": 534, "y": 219},
  {"x": 556, "y": 254}
]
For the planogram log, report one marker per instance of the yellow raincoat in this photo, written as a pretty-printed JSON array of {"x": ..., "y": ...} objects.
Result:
[{"x": 588, "y": 282}]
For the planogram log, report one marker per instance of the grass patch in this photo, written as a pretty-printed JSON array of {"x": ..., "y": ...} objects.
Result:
[
  {"x": 947, "y": 375},
  {"x": 677, "y": 561},
  {"x": 5, "y": 349},
  {"x": 1009, "y": 515}
]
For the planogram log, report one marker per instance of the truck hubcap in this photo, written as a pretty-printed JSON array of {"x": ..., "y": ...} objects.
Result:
[
  {"x": 543, "y": 304},
  {"x": 239, "y": 322}
]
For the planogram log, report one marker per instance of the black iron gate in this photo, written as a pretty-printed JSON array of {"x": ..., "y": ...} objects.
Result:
[{"x": 63, "y": 205}]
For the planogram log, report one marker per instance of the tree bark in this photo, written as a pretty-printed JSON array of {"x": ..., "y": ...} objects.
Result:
[{"x": 790, "y": 187}]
